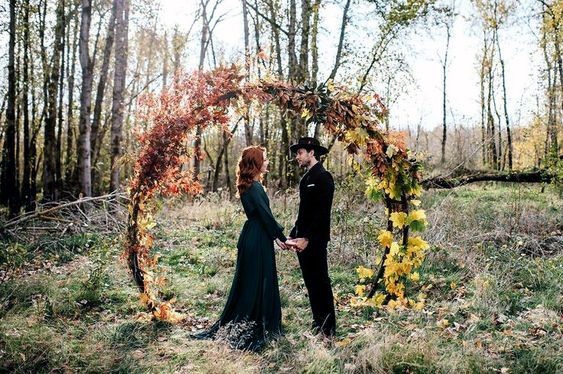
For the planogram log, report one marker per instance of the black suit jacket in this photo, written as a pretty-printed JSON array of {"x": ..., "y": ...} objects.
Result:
[{"x": 316, "y": 190}]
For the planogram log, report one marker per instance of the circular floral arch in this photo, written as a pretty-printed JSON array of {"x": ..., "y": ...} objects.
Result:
[{"x": 202, "y": 99}]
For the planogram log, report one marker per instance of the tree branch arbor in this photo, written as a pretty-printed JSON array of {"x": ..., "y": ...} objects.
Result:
[{"x": 202, "y": 99}]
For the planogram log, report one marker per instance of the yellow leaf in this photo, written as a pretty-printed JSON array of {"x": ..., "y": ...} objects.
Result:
[
  {"x": 399, "y": 219},
  {"x": 385, "y": 238},
  {"x": 377, "y": 299},
  {"x": 305, "y": 113},
  {"x": 417, "y": 243},
  {"x": 415, "y": 277},
  {"x": 395, "y": 248},
  {"x": 417, "y": 215},
  {"x": 360, "y": 290},
  {"x": 364, "y": 272}
]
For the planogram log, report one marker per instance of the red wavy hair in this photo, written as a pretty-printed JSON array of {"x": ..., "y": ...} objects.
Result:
[{"x": 249, "y": 166}]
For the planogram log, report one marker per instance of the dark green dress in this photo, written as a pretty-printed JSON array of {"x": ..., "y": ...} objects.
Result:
[{"x": 253, "y": 310}]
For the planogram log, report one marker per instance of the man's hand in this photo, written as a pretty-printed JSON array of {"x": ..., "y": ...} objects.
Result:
[{"x": 300, "y": 244}]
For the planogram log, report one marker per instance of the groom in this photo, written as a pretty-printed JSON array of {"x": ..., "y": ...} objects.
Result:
[{"x": 311, "y": 233}]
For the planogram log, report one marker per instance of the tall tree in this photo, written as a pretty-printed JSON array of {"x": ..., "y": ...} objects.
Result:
[
  {"x": 203, "y": 49},
  {"x": 339, "y": 49},
  {"x": 96, "y": 135},
  {"x": 28, "y": 160},
  {"x": 86, "y": 63},
  {"x": 247, "y": 127},
  {"x": 70, "y": 165},
  {"x": 8, "y": 187},
  {"x": 50, "y": 183},
  {"x": 120, "y": 72},
  {"x": 446, "y": 18}
]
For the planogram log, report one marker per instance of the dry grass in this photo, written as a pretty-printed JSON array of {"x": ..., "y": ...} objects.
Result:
[{"x": 500, "y": 295}]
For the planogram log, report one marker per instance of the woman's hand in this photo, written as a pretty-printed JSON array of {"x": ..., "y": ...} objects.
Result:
[{"x": 281, "y": 244}]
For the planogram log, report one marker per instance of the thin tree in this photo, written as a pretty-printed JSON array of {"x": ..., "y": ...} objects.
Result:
[
  {"x": 446, "y": 19},
  {"x": 120, "y": 71},
  {"x": 96, "y": 135},
  {"x": 8, "y": 191},
  {"x": 70, "y": 165},
  {"x": 247, "y": 127},
  {"x": 28, "y": 161},
  {"x": 86, "y": 63},
  {"x": 50, "y": 191}
]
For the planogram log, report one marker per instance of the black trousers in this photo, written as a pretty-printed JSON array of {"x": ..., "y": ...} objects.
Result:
[{"x": 314, "y": 267}]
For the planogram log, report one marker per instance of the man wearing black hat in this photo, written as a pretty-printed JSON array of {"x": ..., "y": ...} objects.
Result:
[{"x": 311, "y": 233}]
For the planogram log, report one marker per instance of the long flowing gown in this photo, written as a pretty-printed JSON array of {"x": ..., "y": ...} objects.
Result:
[{"x": 252, "y": 313}]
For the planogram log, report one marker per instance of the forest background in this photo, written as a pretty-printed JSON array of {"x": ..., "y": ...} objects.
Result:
[{"x": 475, "y": 87}]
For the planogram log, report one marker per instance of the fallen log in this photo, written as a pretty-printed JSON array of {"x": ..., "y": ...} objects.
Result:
[{"x": 536, "y": 176}]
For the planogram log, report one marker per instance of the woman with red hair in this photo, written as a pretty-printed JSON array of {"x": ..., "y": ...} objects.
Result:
[{"x": 252, "y": 314}]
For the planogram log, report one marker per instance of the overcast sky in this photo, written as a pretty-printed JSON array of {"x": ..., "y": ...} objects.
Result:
[{"x": 421, "y": 98}]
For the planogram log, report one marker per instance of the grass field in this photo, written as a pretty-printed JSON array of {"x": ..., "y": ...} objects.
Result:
[{"x": 493, "y": 278}]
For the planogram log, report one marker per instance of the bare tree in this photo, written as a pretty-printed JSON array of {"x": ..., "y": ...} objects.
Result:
[
  {"x": 50, "y": 191},
  {"x": 86, "y": 63},
  {"x": 96, "y": 134},
  {"x": 339, "y": 49},
  {"x": 9, "y": 193},
  {"x": 121, "y": 46},
  {"x": 247, "y": 127},
  {"x": 446, "y": 18}
]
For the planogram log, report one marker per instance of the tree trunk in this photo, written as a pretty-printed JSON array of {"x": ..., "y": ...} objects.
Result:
[
  {"x": 95, "y": 139},
  {"x": 166, "y": 57},
  {"x": 490, "y": 119},
  {"x": 83, "y": 147},
  {"x": 227, "y": 173},
  {"x": 70, "y": 165},
  {"x": 338, "y": 58},
  {"x": 8, "y": 182},
  {"x": 120, "y": 72},
  {"x": 444, "y": 96},
  {"x": 226, "y": 137},
  {"x": 202, "y": 52},
  {"x": 27, "y": 198},
  {"x": 246, "y": 118},
  {"x": 540, "y": 176},
  {"x": 482, "y": 73},
  {"x": 303, "y": 72},
  {"x": 292, "y": 57},
  {"x": 58, "y": 150},
  {"x": 50, "y": 192}
]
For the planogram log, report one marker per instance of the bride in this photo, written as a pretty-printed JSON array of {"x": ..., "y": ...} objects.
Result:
[{"x": 252, "y": 314}]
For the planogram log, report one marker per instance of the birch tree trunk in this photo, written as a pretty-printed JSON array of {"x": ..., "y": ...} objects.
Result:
[
  {"x": 70, "y": 165},
  {"x": 120, "y": 72},
  {"x": 83, "y": 146}
]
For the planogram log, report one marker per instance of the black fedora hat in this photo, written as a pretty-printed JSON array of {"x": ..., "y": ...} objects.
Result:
[{"x": 309, "y": 143}]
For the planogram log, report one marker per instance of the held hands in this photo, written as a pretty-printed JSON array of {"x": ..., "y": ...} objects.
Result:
[
  {"x": 281, "y": 244},
  {"x": 297, "y": 244},
  {"x": 294, "y": 245}
]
